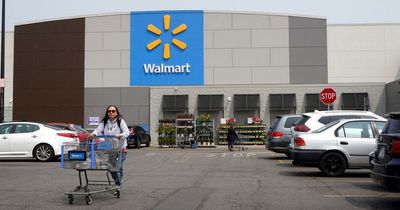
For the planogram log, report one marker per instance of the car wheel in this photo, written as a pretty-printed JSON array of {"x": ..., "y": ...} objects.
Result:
[
  {"x": 333, "y": 164},
  {"x": 148, "y": 144},
  {"x": 137, "y": 143},
  {"x": 43, "y": 152}
]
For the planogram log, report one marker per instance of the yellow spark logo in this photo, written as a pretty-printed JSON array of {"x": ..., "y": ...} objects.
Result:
[{"x": 167, "y": 20}]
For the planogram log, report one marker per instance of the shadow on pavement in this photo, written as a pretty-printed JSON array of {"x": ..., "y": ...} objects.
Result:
[{"x": 320, "y": 174}]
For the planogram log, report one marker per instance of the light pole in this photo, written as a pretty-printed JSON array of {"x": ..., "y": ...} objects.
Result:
[{"x": 3, "y": 16}]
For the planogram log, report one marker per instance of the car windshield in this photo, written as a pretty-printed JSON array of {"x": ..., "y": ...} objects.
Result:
[
  {"x": 325, "y": 127},
  {"x": 53, "y": 127},
  {"x": 80, "y": 129}
]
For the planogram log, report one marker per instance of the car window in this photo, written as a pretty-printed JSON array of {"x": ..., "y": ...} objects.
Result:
[
  {"x": 139, "y": 130},
  {"x": 325, "y": 120},
  {"x": 5, "y": 129},
  {"x": 25, "y": 128},
  {"x": 290, "y": 121},
  {"x": 276, "y": 122},
  {"x": 80, "y": 129},
  {"x": 54, "y": 127},
  {"x": 328, "y": 119},
  {"x": 323, "y": 128},
  {"x": 379, "y": 126},
  {"x": 355, "y": 130},
  {"x": 303, "y": 120},
  {"x": 392, "y": 126},
  {"x": 60, "y": 126}
]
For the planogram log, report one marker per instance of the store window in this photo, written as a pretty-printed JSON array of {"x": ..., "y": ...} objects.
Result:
[
  {"x": 280, "y": 104},
  {"x": 313, "y": 103},
  {"x": 173, "y": 105},
  {"x": 212, "y": 106},
  {"x": 246, "y": 106},
  {"x": 355, "y": 101},
  {"x": 210, "y": 102}
]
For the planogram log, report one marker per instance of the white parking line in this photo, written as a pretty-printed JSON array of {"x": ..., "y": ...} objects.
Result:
[{"x": 182, "y": 160}]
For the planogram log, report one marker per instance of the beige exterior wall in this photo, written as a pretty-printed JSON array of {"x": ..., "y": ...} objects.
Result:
[{"x": 363, "y": 53}]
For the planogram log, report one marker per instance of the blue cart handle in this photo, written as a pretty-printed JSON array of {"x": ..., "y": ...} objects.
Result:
[{"x": 105, "y": 136}]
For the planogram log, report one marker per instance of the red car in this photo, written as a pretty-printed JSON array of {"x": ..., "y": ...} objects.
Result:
[{"x": 82, "y": 133}]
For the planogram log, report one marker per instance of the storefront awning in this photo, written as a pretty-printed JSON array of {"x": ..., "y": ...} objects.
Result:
[
  {"x": 175, "y": 103},
  {"x": 282, "y": 101},
  {"x": 210, "y": 102},
  {"x": 355, "y": 101},
  {"x": 313, "y": 102},
  {"x": 243, "y": 102}
]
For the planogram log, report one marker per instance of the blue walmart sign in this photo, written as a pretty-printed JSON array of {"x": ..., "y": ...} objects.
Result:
[{"x": 167, "y": 48}]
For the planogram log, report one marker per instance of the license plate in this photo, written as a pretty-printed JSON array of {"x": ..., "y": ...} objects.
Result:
[{"x": 381, "y": 153}]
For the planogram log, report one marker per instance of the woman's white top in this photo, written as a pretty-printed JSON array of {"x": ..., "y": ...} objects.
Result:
[{"x": 111, "y": 128}]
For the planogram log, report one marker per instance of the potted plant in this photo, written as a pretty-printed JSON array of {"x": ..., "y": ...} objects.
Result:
[{"x": 204, "y": 119}]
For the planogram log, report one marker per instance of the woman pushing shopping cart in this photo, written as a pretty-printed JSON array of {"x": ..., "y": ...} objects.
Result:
[{"x": 104, "y": 150}]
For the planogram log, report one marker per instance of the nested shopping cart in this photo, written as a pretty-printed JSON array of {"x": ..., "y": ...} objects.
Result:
[{"x": 100, "y": 153}]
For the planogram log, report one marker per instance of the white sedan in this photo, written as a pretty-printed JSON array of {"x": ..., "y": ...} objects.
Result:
[
  {"x": 33, "y": 140},
  {"x": 338, "y": 145}
]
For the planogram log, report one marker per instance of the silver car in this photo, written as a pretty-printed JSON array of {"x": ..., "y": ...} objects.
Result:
[{"x": 338, "y": 145}]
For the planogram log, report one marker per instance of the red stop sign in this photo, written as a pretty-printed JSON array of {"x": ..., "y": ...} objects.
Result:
[{"x": 327, "y": 96}]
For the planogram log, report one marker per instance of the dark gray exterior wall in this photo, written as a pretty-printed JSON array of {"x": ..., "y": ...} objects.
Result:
[
  {"x": 307, "y": 51},
  {"x": 393, "y": 96},
  {"x": 132, "y": 102}
]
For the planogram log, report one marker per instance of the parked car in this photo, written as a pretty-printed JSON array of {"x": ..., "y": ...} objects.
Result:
[
  {"x": 339, "y": 145},
  {"x": 30, "y": 139},
  {"x": 138, "y": 136},
  {"x": 279, "y": 135},
  {"x": 386, "y": 157},
  {"x": 82, "y": 133},
  {"x": 313, "y": 120}
]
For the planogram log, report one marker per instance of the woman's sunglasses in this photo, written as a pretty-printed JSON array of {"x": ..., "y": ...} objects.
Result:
[{"x": 111, "y": 111}]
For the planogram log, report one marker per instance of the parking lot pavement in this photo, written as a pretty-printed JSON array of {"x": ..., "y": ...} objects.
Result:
[{"x": 196, "y": 179}]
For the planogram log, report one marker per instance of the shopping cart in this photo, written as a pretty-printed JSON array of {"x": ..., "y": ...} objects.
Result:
[
  {"x": 100, "y": 153},
  {"x": 186, "y": 141},
  {"x": 240, "y": 142}
]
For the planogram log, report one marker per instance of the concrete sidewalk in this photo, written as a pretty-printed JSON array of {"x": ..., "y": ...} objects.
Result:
[{"x": 223, "y": 148}]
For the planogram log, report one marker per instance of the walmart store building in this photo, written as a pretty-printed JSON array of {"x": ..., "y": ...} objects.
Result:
[{"x": 154, "y": 65}]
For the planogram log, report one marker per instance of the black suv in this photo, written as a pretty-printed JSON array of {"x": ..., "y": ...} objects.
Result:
[
  {"x": 138, "y": 136},
  {"x": 385, "y": 160}
]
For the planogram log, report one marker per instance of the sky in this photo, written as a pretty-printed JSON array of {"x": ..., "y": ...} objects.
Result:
[{"x": 335, "y": 11}]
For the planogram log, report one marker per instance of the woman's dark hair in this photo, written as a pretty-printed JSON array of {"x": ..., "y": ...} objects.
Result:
[{"x": 105, "y": 118}]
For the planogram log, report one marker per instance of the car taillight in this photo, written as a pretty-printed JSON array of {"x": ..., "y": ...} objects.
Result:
[
  {"x": 68, "y": 135},
  {"x": 396, "y": 147},
  {"x": 299, "y": 142},
  {"x": 275, "y": 134},
  {"x": 301, "y": 128}
]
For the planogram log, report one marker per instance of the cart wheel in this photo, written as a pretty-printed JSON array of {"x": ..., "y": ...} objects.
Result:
[
  {"x": 70, "y": 199},
  {"x": 118, "y": 193},
  {"x": 89, "y": 199}
]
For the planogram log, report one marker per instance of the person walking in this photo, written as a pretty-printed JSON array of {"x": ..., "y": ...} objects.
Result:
[
  {"x": 113, "y": 124},
  {"x": 232, "y": 137}
]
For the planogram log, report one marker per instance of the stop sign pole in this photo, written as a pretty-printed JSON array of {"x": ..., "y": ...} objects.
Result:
[{"x": 327, "y": 96}]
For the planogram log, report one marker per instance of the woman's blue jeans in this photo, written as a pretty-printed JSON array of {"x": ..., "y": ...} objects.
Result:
[{"x": 118, "y": 175}]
